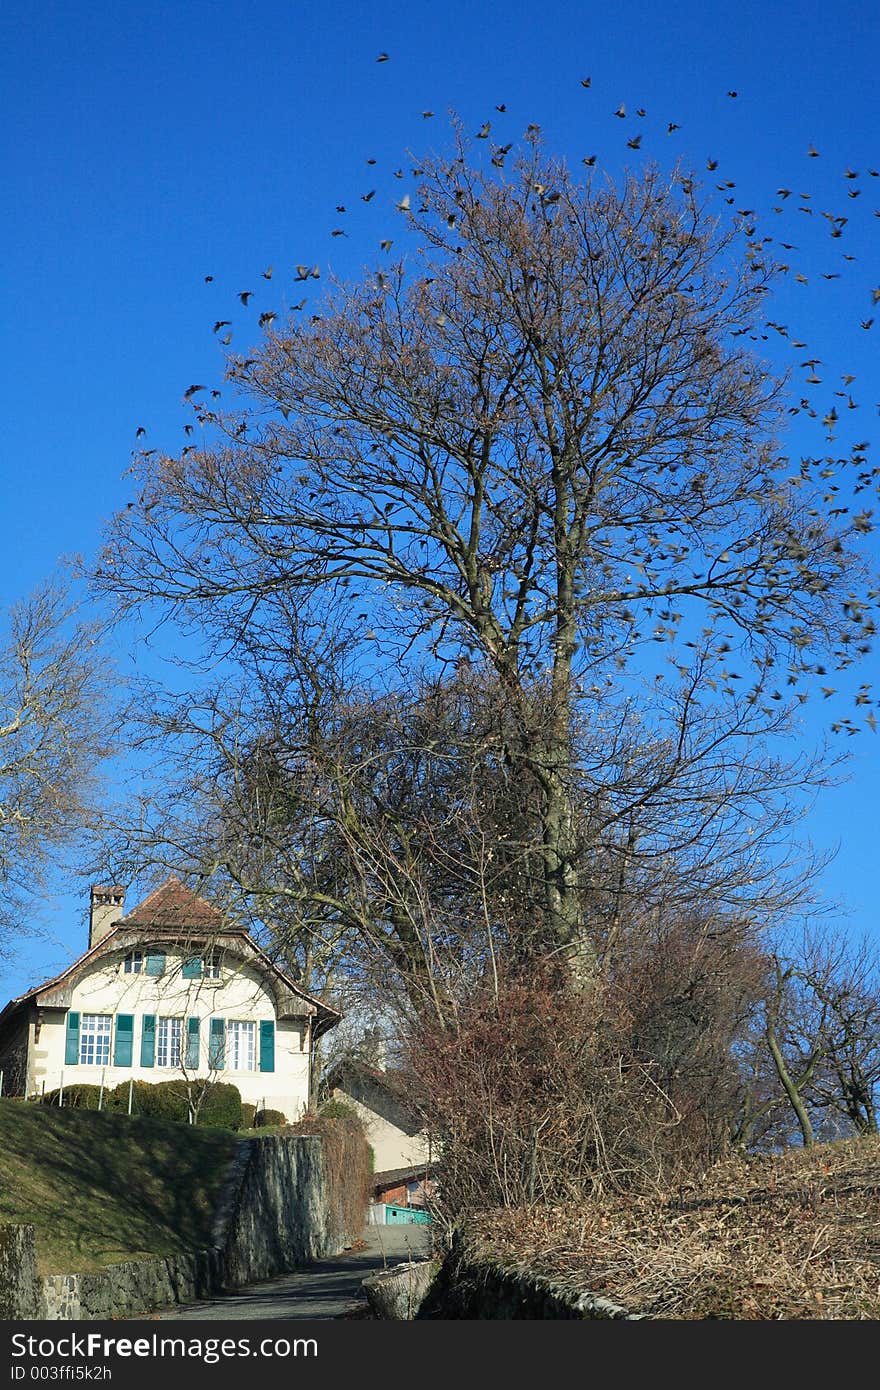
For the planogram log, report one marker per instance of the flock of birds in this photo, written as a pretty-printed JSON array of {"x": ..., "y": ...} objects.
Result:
[{"x": 836, "y": 222}]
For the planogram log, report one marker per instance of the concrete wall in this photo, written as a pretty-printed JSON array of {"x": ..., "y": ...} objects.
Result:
[
  {"x": 273, "y": 1215},
  {"x": 240, "y": 994}
]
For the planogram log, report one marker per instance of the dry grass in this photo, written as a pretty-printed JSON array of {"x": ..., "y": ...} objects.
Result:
[{"x": 794, "y": 1236}]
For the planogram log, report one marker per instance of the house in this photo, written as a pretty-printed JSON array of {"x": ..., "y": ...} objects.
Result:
[
  {"x": 169, "y": 989},
  {"x": 394, "y": 1129}
]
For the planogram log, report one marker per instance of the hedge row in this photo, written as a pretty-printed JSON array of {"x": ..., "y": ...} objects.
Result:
[{"x": 220, "y": 1107}]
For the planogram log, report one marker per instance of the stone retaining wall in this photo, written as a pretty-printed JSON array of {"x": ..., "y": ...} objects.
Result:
[
  {"x": 272, "y": 1216},
  {"x": 475, "y": 1287},
  {"x": 19, "y": 1284}
]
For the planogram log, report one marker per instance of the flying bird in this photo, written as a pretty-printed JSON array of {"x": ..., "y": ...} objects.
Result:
[
  {"x": 191, "y": 390},
  {"x": 383, "y": 58},
  {"x": 621, "y": 111},
  {"x": 267, "y": 273},
  {"x": 585, "y": 81},
  {"x": 244, "y": 296}
]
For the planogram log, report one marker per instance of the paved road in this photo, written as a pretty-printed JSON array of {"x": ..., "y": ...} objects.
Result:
[{"x": 328, "y": 1288}]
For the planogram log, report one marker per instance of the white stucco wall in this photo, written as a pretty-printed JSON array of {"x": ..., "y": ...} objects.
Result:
[
  {"x": 239, "y": 994},
  {"x": 392, "y": 1147}
]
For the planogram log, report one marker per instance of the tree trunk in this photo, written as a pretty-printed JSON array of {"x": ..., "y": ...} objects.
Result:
[{"x": 791, "y": 1090}]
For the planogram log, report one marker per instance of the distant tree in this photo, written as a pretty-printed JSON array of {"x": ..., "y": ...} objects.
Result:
[
  {"x": 55, "y": 731},
  {"x": 810, "y": 1060}
]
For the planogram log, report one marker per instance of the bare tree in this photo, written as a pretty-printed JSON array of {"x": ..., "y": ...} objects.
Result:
[
  {"x": 55, "y": 731},
  {"x": 548, "y": 446},
  {"x": 810, "y": 1060},
  {"x": 841, "y": 979}
]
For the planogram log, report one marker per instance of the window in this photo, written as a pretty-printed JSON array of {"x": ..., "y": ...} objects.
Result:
[
  {"x": 169, "y": 1042},
  {"x": 133, "y": 963},
  {"x": 94, "y": 1040},
  {"x": 241, "y": 1046},
  {"x": 202, "y": 967}
]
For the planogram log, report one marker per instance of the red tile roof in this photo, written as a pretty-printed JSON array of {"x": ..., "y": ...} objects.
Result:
[{"x": 174, "y": 905}]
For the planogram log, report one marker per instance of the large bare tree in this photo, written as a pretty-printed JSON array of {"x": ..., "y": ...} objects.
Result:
[{"x": 545, "y": 444}]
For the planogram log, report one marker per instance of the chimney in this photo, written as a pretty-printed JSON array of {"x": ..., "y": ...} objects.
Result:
[
  {"x": 107, "y": 906},
  {"x": 373, "y": 1048}
]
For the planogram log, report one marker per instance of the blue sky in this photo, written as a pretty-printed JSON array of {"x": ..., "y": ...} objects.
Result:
[{"x": 146, "y": 146}]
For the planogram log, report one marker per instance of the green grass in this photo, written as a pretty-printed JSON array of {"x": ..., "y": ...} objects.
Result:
[{"x": 100, "y": 1188}]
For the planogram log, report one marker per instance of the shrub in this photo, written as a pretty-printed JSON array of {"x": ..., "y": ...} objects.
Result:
[
  {"x": 141, "y": 1098},
  {"x": 269, "y": 1117},
  {"x": 221, "y": 1106},
  {"x": 337, "y": 1110},
  {"x": 248, "y": 1112},
  {"x": 78, "y": 1097},
  {"x": 347, "y": 1172},
  {"x": 169, "y": 1100},
  {"x": 535, "y": 1097}
]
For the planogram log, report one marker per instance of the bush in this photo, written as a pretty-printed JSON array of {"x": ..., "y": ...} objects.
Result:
[
  {"x": 78, "y": 1097},
  {"x": 169, "y": 1100},
  {"x": 248, "y": 1112},
  {"x": 221, "y": 1106},
  {"x": 347, "y": 1172},
  {"x": 141, "y": 1098},
  {"x": 269, "y": 1117},
  {"x": 534, "y": 1098},
  {"x": 337, "y": 1110}
]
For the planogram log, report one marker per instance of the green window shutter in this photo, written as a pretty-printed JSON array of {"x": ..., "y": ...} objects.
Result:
[
  {"x": 124, "y": 1040},
  {"x": 155, "y": 964},
  {"x": 148, "y": 1041},
  {"x": 217, "y": 1048},
  {"x": 192, "y": 969},
  {"x": 71, "y": 1049},
  {"x": 267, "y": 1045},
  {"x": 192, "y": 1044}
]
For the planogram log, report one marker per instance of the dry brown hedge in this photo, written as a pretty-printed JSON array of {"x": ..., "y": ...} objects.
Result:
[{"x": 347, "y": 1170}]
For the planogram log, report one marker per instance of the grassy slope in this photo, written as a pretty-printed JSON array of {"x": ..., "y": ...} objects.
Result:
[
  {"x": 796, "y": 1235},
  {"x": 100, "y": 1188}
]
